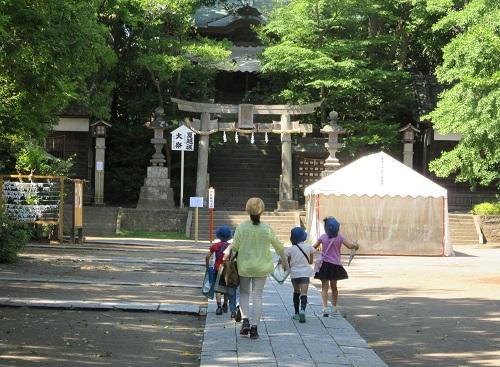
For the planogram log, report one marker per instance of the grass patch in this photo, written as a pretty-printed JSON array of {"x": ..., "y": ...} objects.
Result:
[{"x": 152, "y": 235}]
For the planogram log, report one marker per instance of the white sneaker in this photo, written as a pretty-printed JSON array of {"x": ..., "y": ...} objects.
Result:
[
  {"x": 333, "y": 310},
  {"x": 326, "y": 312}
]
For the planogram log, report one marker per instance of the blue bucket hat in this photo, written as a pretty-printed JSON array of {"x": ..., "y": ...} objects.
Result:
[
  {"x": 332, "y": 226},
  {"x": 224, "y": 233},
  {"x": 297, "y": 235}
]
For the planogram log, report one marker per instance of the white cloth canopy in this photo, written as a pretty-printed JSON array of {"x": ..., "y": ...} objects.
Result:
[{"x": 387, "y": 206}]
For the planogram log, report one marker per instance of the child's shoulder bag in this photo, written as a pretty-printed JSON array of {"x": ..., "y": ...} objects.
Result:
[{"x": 231, "y": 275}]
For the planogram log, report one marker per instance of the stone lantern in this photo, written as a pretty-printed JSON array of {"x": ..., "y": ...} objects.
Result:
[
  {"x": 98, "y": 130},
  {"x": 158, "y": 125},
  {"x": 156, "y": 192},
  {"x": 409, "y": 132},
  {"x": 333, "y": 130}
]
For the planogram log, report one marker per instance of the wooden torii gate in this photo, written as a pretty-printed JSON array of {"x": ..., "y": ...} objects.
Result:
[{"x": 205, "y": 126}]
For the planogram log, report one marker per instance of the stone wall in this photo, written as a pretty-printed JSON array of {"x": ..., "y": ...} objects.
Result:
[
  {"x": 490, "y": 226},
  {"x": 173, "y": 220}
]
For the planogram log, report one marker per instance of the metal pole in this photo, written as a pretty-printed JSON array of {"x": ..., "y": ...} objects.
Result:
[
  {"x": 182, "y": 179},
  {"x": 1, "y": 192},
  {"x": 211, "y": 224},
  {"x": 317, "y": 216},
  {"x": 196, "y": 224},
  {"x": 61, "y": 209}
]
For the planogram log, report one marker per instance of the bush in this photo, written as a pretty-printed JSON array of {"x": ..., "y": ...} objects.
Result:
[
  {"x": 13, "y": 237},
  {"x": 486, "y": 209},
  {"x": 33, "y": 159}
]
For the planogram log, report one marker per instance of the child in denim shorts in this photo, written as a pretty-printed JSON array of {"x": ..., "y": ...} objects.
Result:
[{"x": 300, "y": 258}]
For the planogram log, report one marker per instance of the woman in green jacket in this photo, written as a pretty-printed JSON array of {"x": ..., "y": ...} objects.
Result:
[{"x": 252, "y": 241}]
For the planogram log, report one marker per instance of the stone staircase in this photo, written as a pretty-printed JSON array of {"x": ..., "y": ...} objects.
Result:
[
  {"x": 281, "y": 222},
  {"x": 242, "y": 170},
  {"x": 97, "y": 221},
  {"x": 462, "y": 230}
]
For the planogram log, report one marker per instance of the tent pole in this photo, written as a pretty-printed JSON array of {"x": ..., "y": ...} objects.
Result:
[
  {"x": 317, "y": 216},
  {"x": 444, "y": 227}
]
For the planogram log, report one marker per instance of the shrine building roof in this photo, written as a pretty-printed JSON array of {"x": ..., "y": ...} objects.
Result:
[{"x": 224, "y": 14}]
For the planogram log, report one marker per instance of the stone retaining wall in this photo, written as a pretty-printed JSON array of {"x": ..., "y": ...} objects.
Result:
[
  {"x": 490, "y": 226},
  {"x": 168, "y": 220}
]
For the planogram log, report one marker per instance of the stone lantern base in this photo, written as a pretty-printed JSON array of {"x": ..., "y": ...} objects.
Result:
[
  {"x": 156, "y": 192},
  {"x": 285, "y": 205}
]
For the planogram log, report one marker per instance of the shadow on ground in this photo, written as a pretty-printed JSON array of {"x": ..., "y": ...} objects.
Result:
[
  {"x": 57, "y": 338},
  {"x": 426, "y": 331}
]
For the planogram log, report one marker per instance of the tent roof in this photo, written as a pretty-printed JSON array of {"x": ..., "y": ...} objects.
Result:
[{"x": 376, "y": 175}]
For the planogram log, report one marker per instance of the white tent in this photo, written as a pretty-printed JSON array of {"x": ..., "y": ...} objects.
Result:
[{"x": 388, "y": 207}]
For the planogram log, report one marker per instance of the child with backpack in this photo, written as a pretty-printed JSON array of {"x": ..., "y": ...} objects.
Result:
[
  {"x": 300, "y": 258},
  {"x": 224, "y": 234}
]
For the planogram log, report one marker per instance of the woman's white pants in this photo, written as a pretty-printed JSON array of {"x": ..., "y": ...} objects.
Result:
[{"x": 256, "y": 287}]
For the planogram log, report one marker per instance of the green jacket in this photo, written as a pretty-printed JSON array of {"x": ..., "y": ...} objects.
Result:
[{"x": 253, "y": 245}]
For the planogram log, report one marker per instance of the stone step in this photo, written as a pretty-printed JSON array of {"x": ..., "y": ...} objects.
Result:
[
  {"x": 281, "y": 222},
  {"x": 462, "y": 229},
  {"x": 464, "y": 238}
]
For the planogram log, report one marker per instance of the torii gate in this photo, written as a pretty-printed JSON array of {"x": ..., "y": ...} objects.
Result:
[{"x": 204, "y": 127}]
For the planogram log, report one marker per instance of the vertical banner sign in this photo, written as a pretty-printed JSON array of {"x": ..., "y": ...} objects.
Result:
[
  {"x": 211, "y": 202},
  {"x": 182, "y": 139},
  {"x": 78, "y": 218},
  {"x": 77, "y": 212}
]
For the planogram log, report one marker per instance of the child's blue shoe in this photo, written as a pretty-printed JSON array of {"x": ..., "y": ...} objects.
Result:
[{"x": 302, "y": 316}]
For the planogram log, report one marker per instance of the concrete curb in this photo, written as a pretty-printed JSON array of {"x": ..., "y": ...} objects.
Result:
[
  {"x": 111, "y": 249},
  {"x": 93, "y": 282},
  {"x": 91, "y": 305},
  {"x": 112, "y": 260}
]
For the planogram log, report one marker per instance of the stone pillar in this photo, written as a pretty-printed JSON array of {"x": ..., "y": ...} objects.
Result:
[
  {"x": 408, "y": 154},
  {"x": 409, "y": 133},
  {"x": 286, "y": 201},
  {"x": 201, "y": 174},
  {"x": 156, "y": 192},
  {"x": 100, "y": 150}
]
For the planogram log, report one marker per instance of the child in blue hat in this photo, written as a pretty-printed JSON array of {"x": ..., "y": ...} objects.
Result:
[
  {"x": 331, "y": 269},
  {"x": 224, "y": 234},
  {"x": 300, "y": 258}
]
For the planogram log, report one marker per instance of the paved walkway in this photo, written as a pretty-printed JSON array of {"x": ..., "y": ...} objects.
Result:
[{"x": 284, "y": 342}]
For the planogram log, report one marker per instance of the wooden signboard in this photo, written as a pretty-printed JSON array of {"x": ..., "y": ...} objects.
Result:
[{"x": 34, "y": 199}]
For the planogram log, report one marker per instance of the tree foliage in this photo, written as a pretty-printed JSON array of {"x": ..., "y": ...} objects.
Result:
[
  {"x": 346, "y": 54},
  {"x": 470, "y": 106},
  {"x": 159, "y": 56},
  {"x": 48, "y": 52}
]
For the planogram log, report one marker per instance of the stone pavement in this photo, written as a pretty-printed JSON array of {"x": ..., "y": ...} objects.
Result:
[{"x": 284, "y": 342}]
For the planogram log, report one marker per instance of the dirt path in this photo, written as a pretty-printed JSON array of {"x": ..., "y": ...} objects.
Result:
[
  {"x": 426, "y": 311},
  {"x": 56, "y": 338},
  {"x": 166, "y": 272}
]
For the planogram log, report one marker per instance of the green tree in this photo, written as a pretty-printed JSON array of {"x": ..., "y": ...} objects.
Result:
[
  {"x": 345, "y": 53},
  {"x": 48, "y": 51},
  {"x": 470, "y": 106},
  {"x": 159, "y": 56},
  {"x": 52, "y": 53}
]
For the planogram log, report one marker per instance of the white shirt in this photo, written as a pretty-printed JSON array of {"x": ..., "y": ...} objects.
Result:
[{"x": 299, "y": 265}]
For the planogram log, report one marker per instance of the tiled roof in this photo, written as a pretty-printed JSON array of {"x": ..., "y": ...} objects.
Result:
[{"x": 223, "y": 14}]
